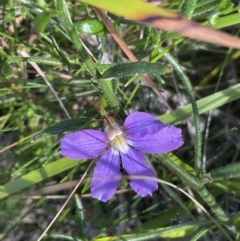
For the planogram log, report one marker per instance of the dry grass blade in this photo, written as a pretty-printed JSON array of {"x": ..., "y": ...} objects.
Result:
[
  {"x": 158, "y": 17},
  {"x": 36, "y": 67},
  {"x": 130, "y": 54},
  {"x": 66, "y": 202},
  {"x": 193, "y": 30}
]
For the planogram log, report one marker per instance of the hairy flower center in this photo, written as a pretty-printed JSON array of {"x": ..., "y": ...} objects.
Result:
[
  {"x": 117, "y": 140},
  {"x": 116, "y": 137}
]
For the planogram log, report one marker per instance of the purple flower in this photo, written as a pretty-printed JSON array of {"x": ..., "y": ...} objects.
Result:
[{"x": 141, "y": 132}]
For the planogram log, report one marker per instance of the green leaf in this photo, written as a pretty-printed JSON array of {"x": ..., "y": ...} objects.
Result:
[
  {"x": 228, "y": 20},
  {"x": 41, "y": 22},
  {"x": 3, "y": 53},
  {"x": 61, "y": 53},
  {"x": 131, "y": 69},
  {"x": 6, "y": 70},
  {"x": 225, "y": 173},
  {"x": 205, "y": 104},
  {"x": 40, "y": 60},
  {"x": 181, "y": 163},
  {"x": 168, "y": 160},
  {"x": 63, "y": 126},
  {"x": 91, "y": 27},
  {"x": 178, "y": 231},
  {"x": 80, "y": 216},
  {"x": 37, "y": 176},
  {"x": 190, "y": 91},
  {"x": 199, "y": 232},
  {"x": 204, "y": 7},
  {"x": 230, "y": 186},
  {"x": 108, "y": 93},
  {"x": 67, "y": 23}
]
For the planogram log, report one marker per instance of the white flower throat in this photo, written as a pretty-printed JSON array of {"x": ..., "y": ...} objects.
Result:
[{"x": 116, "y": 136}]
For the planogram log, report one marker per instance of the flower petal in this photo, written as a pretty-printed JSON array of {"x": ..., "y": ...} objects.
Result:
[
  {"x": 135, "y": 164},
  {"x": 167, "y": 139},
  {"x": 84, "y": 144},
  {"x": 139, "y": 124},
  {"x": 106, "y": 176}
]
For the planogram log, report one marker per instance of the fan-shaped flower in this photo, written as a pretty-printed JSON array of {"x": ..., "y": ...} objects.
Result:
[{"x": 141, "y": 132}]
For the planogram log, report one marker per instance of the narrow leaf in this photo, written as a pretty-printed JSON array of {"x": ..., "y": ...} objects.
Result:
[
  {"x": 80, "y": 216},
  {"x": 41, "y": 22},
  {"x": 227, "y": 172},
  {"x": 177, "y": 231},
  {"x": 108, "y": 93},
  {"x": 131, "y": 69},
  {"x": 61, "y": 127},
  {"x": 205, "y": 104},
  {"x": 37, "y": 176},
  {"x": 197, "y": 234}
]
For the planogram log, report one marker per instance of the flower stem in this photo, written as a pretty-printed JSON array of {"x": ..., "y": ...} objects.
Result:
[
  {"x": 187, "y": 84},
  {"x": 203, "y": 192},
  {"x": 105, "y": 86},
  {"x": 169, "y": 162},
  {"x": 108, "y": 93}
]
